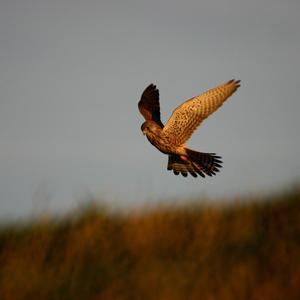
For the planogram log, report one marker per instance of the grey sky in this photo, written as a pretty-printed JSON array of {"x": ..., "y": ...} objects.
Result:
[{"x": 72, "y": 73}]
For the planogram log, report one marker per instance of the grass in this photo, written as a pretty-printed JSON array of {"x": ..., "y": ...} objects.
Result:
[{"x": 249, "y": 251}]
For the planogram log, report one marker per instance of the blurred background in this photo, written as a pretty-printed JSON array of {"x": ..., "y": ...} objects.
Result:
[{"x": 72, "y": 73}]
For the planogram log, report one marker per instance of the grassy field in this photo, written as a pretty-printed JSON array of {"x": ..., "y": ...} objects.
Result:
[{"x": 249, "y": 251}]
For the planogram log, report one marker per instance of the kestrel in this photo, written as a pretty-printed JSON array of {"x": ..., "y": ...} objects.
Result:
[{"x": 170, "y": 139}]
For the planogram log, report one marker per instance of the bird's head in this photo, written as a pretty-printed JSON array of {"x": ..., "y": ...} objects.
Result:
[
  {"x": 145, "y": 127},
  {"x": 149, "y": 127}
]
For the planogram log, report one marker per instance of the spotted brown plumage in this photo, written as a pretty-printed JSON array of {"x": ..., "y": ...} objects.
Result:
[{"x": 170, "y": 139}]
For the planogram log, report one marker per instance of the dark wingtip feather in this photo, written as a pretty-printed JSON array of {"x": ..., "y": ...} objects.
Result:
[
  {"x": 234, "y": 82},
  {"x": 201, "y": 174},
  {"x": 193, "y": 174},
  {"x": 217, "y": 165}
]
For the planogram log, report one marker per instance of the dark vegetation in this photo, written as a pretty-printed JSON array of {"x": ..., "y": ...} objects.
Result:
[{"x": 243, "y": 251}]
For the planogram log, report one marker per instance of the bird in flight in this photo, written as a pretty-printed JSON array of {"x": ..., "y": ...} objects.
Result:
[{"x": 170, "y": 138}]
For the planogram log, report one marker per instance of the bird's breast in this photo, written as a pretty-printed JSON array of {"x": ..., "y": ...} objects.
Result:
[{"x": 161, "y": 142}]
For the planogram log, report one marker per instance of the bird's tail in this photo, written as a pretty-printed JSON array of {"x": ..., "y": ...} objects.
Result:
[{"x": 195, "y": 163}]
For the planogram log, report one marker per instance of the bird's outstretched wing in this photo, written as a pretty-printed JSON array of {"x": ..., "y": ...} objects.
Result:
[
  {"x": 188, "y": 116},
  {"x": 149, "y": 105}
]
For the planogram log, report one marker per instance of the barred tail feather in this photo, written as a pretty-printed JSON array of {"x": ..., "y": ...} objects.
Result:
[{"x": 196, "y": 163}]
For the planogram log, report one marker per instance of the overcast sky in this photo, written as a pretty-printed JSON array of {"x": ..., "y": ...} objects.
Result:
[{"x": 73, "y": 71}]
